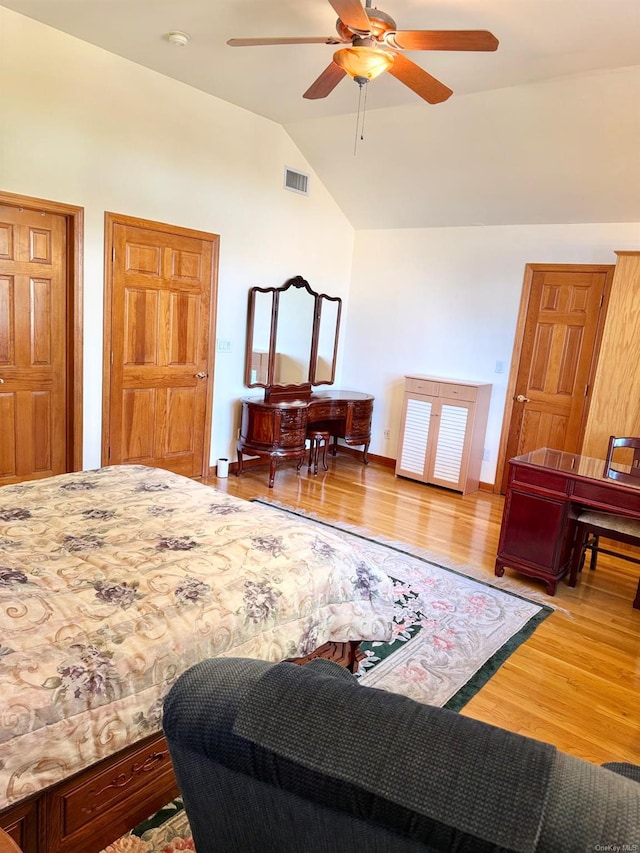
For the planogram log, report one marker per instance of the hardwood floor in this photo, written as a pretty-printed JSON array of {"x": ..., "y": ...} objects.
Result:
[{"x": 576, "y": 681}]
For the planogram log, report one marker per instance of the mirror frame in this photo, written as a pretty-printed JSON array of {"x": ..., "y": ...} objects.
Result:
[{"x": 304, "y": 388}]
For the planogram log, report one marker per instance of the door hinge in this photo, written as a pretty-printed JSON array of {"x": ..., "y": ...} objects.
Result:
[
  {"x": 586, "y": 389},
  {"x": 113, "y": 254},
  {"x": 601, "y": 299}
]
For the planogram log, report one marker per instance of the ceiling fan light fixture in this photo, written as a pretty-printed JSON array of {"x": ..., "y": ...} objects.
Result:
[{"x": 366, "y": 62}]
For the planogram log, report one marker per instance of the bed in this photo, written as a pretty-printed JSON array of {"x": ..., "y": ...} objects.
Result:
[{"x": 113, "y": 582}]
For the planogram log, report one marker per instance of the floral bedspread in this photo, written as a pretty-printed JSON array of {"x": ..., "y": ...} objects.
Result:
[{"x": 114, "y": 581}]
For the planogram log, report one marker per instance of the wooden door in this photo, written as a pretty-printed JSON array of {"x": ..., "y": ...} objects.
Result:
[
  {"x": 159, "y": 358},
  {"x": 557, "y": 342},
  {"x": 33, "y": 357}
]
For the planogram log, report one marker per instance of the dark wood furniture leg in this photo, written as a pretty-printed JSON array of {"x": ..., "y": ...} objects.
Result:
[
  {"x": 347, "y": 654},
  {"x": 318, "y": 441}
]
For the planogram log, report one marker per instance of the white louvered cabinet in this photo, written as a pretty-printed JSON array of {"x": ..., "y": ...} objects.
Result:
[{"x": 442, "y": 431}]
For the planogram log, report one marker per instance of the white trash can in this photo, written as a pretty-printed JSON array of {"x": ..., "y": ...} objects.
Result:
[{"x": 222, "y": 469}]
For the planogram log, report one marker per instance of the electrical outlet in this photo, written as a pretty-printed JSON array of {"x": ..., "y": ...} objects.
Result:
[
  {"x": 387, "y": 433},
  {"x": 499, "y": 366},
  {"x": 486, "y": 455}
]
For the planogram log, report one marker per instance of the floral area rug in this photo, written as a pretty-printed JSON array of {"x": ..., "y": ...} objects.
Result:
[{"x": 451, "y": 633}]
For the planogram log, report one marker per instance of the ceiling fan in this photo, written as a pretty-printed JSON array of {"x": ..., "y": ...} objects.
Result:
[{"x": 375, "y": 45}]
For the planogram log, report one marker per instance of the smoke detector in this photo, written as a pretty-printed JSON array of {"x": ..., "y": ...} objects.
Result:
[{"x": 178, "y": 38}]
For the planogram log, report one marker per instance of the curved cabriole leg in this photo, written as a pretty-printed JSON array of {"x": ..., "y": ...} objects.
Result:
[
  {"x": 272, "y": 471},
  {"x": 499, "y": 570},
  {"x": 239, "y": 468},
  {"x": 365, "y": 458}
]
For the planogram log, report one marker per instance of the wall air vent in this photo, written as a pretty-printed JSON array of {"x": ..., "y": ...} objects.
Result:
[{"x": 297, "y": 182}]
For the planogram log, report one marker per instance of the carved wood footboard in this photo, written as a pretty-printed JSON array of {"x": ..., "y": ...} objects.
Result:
[{"x": 85, "y": 813}]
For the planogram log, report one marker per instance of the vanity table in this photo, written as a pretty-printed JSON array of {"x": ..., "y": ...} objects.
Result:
[
  {"x": 292, "y": 344},
  {"x": 278, "y": 430}
]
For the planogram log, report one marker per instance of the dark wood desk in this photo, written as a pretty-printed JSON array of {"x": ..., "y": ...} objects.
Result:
[
  {"x": 278, "y": 430},
  {"x": 546, "y": 491}
]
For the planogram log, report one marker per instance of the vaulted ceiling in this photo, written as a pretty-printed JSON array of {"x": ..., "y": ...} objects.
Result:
[{"x": 544, "y": 130}]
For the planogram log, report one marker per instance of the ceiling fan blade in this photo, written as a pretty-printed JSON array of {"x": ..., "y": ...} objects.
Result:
[
  {"x": 351, "y": 13},
  {"x": 326, "y": 82},
  {"x": 301, "y": 40},
  {"x": 418, "y": 80},
  {"x": 445, "y": 40}
]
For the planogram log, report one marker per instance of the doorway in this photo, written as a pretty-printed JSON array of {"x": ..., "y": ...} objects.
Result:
[
  {"x": 555, "y": 353},
  {"x": 159, "y": 322},
  {"x": 40, "y": 338}
]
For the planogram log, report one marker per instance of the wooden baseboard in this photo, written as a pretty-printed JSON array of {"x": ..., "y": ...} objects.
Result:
[{"x": 387, "y": 461}]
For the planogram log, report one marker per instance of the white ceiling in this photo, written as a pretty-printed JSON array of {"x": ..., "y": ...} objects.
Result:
[{"x": 540, "y": 41}]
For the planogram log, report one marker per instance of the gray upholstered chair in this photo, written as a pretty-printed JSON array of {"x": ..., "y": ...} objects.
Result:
[{"x": 279, "y": 758}]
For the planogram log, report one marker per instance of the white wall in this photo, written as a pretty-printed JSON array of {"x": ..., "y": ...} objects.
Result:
[
  {"x": 85, "y": 127},
  {"x": 444, "y": 301}
]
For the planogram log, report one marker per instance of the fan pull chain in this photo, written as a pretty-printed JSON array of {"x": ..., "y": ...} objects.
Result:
[
  {"x": 361, "y": 108},
  {"x": 364, "y": 112}
]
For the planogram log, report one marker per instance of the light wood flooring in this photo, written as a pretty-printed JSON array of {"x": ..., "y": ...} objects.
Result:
[{"x": 576, "y": 681}]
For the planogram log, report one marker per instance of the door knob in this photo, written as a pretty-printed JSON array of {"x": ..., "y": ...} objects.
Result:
[
  {"x": 1, "y": 381},
  {"x": 201, "y": 375},
  {"x": 522, "y": 399}
]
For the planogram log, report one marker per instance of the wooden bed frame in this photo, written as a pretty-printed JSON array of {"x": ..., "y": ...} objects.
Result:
[{"x": 88, "y": 811}]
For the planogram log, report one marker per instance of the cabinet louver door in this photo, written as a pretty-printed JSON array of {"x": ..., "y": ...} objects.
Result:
[
  {"x": 416, "y": 436},
  {"x": 447, "y": 465}
]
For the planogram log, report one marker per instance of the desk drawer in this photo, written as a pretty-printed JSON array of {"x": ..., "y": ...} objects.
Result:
[
  {"x": 543, "y": 478},
  {"x": 608, "y": 498}
]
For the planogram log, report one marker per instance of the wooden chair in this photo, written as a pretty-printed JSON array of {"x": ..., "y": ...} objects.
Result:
[{"x": 591, "y": 525}]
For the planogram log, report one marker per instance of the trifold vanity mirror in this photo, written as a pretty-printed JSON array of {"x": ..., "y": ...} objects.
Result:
[
  {"x": 292, "y": 342},
  {"x": 292, "y": 338}
]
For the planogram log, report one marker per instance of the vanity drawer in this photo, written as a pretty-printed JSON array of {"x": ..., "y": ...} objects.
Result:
[
  {"x": 363, "y": 410},
  {"x": 322, "y": 412},
  {"x": 292, "y": 419},
  {"x": 360, "y": 428},
  {"x": 292, "y": 438}
]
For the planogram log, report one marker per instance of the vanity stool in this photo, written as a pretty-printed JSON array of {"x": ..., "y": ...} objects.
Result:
[{"x": 318, "y": 442}]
